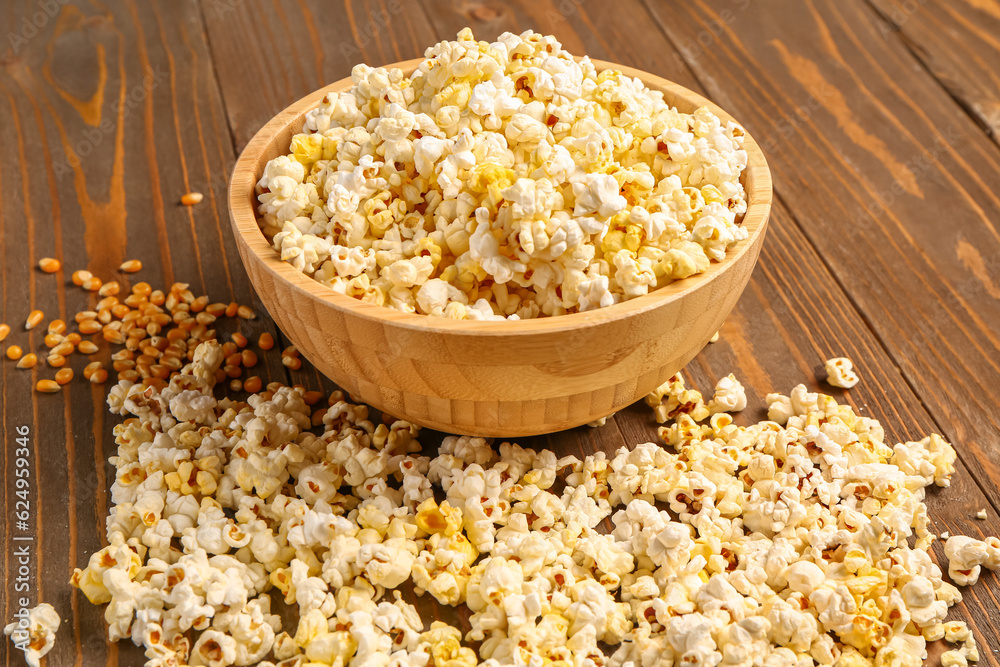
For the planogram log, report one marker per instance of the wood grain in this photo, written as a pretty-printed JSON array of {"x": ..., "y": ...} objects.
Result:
[
  {"x": 804, "y": 302},
  {"x": 107, "y": 116},
  {"x": 889, "y": 179},
  {"x": 271, "y": 53},
  {"x": 958, "y": 41}
]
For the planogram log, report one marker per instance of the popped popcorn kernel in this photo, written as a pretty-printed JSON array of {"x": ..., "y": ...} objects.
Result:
[
  {"x": 34, "y": 632},
  {"x": 840, "y": 373},
  {"x": 503, "y": 180}
]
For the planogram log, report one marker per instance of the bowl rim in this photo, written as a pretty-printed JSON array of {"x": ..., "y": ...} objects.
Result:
[{"x": 243, "y": 216}]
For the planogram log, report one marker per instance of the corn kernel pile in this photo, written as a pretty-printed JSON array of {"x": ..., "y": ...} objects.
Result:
[
  {"x": 787, "y": 542},
  {"x": 503, "y": 180}
]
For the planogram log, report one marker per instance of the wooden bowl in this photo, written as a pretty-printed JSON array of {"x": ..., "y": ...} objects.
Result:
[{"x": 494, "y": 378}]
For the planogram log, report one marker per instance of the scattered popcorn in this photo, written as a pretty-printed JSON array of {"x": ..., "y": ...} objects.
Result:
[
  {"x": 967, "y": 555},
  {"x": 34, "y": 632},
  {"x": 503, "y": 180},
  {"x": 804, "y": 536},
  {"x": 840, "y": 373}
]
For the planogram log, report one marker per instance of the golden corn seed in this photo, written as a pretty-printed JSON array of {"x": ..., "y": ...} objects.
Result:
[
  {"x": 64, "y": 375},
  {"x": 28, "y": 361},
  {"x": 113, "y": 337},
  {"x": 64, "y": 348},
  {"x": 293, "y": 363},
  {"x": 235, "y": 385},
  {"x": 85, "y": 315},
  {"x": 290, "y": 351},
  {"x": 14, "y": 352},
  {"x": 47, "y": 386},
  {"x": 4, "y": 330},
  {"x": 110, "y": 289},
  {"x": 217, "y": 309},
  {"x": 90, "y": 327},
  {"x": 233, "y": 371},
  {"x": 107, "y": 303},
  {"x": 51, "y": 340},
  {"x": 131, "y": 266},
  {"x": 92, "y": 285},
  {"x": 312, "y": 397},
  {"x": 49, "y": 264},
  {"x": 74, "y": 338},
  {"x": 56, "y": 360},
  {"x": 100, "y": 376},
  {"x": 249, "y": 358},
  {"x": 57, "y": 327},
  {"x": 192, "y": 198},
  {"x": 246, "y": 312},
  {"x": 142, "y": 289},
  {"x": 87, "y": 347},
  {"x": 253, "y": 384},
  {"x": 131, "y": 376},
  {"x": 266, "y": 341},
  {"x": 232, "y": 309},
  {"x": 81, "y": 276},
  {"x": 239, "y": 339},
  {"x": 92, "y": 368},
  {"x": 35, "y": 318}
]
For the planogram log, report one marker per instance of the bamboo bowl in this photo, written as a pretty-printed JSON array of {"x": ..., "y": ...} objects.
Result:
[{"x": 494, "y": 378}]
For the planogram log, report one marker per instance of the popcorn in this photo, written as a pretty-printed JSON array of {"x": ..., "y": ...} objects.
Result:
[
  {"x": 840, "y": 372},
  {"x": 503, "y": 181},
  {"x": 967, "y": 555},
  {"x": 34, "y": 632},
  {"x": 787, "y": 542}
]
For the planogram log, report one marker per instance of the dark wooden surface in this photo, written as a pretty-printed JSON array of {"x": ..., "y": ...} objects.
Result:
[{"x": 879, "y": 119}]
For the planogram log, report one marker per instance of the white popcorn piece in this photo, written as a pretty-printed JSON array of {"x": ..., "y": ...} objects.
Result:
[
  {"x": 840, "y": 373},
  {"x": 391, "y": 193},
  {"x": 34, "y": 632},
  {"x": 981, "y": 515},
  {"x": 729, "y": 396},
  {"x": 799, "y": 540},
  {"x": 967, "y": 556}
]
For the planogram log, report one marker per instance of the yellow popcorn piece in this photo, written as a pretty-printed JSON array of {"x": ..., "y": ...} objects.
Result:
[{"x": 441, "y": 519}]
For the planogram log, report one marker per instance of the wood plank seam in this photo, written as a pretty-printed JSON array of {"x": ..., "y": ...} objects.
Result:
[{"x": 907, "y": 41}]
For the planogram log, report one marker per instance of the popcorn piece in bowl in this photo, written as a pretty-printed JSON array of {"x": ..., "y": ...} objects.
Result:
[{"x": 503, "y": 180}]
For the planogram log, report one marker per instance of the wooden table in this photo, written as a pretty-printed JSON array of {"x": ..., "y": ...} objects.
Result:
[{"x": 879, "y": 119}]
